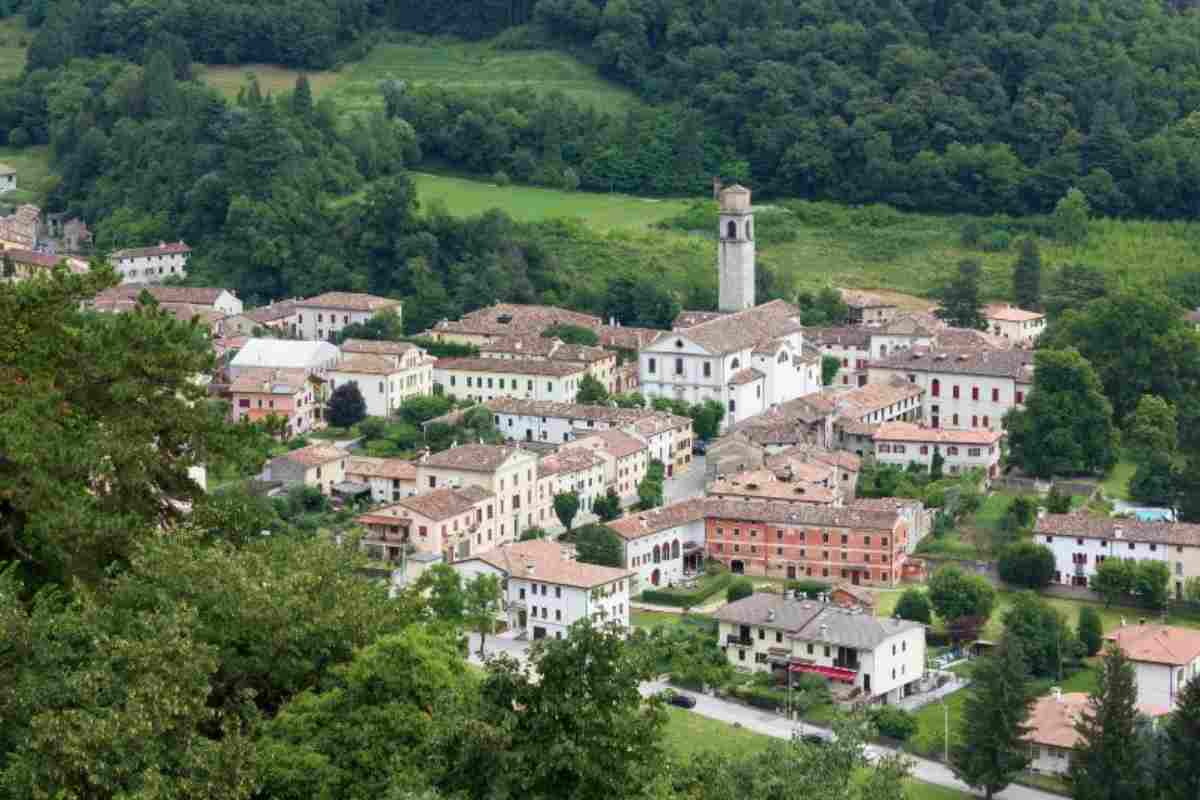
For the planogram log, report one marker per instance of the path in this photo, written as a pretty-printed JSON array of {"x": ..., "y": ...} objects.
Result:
[
  {"x": 773, "y": 725},
  {"x": 686, "y": 484}
]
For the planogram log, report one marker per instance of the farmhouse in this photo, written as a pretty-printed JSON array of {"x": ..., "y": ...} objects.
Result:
[
  {"x": 321, "y": 317},
  {"x": 151, "y": 264},
  {"x": 322, "y": 466},
  {"x": 1015, "y": 324},
  {"x": 1165, "y": 658}
]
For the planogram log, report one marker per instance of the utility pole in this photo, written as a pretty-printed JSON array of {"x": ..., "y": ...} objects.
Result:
[{"x": 946, "y": 722}]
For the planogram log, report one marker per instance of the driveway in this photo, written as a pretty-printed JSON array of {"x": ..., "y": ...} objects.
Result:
[
  {"x": 686, "y": 484},
  {"x": 773, "y": 725}
]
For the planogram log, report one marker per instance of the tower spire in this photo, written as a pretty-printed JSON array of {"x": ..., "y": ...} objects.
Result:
[{"x": 735, "y": 254}]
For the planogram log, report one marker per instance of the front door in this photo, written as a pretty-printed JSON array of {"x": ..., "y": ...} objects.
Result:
[
  {"x": 522, "y": 620},
  {"x": 855, "y": 577},
  {"x": 791, "y": 572},
  {"x": 539, "y": 633},
  {"x": 736, "y": 567},
  {"x": 655, "y": 577},
  {"x": 529, "y": 434},
  {"x": 866, "y": 684}
]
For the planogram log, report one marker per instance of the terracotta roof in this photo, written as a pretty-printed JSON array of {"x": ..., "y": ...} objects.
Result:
[
  {"x": 551, "y": 408},
  {"x": 162, "y": 249},
  {"x": 195, "y": 295},
  {"x": 622, "y": 338},
  {"x": 391, "y": 468},
  {"x": 33, "y": 258},
  {"x": 473, "y": 457},
  {"x": 1052, "y": 719},
  {"x": 528, "y": 344},
  {"x": 857, "y": 299},
  {"x": 859, "y": 593},
  {"x": 516, "y": 366},
  {"x": 504, "y": 319},
  {"x": 864, "y": 400},
  {"x": 747, "y": 375},
  {"x": 849, "y": 336},
  {"x": 1016, "y": 364},
  {"x": 645, "y": 523},
  {"x": 366, "y": 364},
  {"x": 271, "y": 313},
  {"x": 351, "y": 301},
  {"x": 966, "y": 339},
  {"x": 442, "y": 503},
  {"x": 687, "y": 319},
  {"x": 186, "y": 312},
  {"x": 885, "y": 503},
  {"x": 908, "y": 432},
  {"x": 545, "y": 561},
  {"x": 912, "y": 323},
  {"x": 1086, "y": 526},
  {"x": 616, "y": 442},
  {"x": 378, "y": 348},
  {"x": 1158, "y": 644},
  {"x": 268, "y": 380},
  {"x": 765, "y": 485},
  {"x": 807, "y": 452},
  {"x": 1006, "y": 313},
  {"x": 741, "y": 330},
  {"x": 568, "y": 459},
  {"x": 854, "y": 427},
  {"x": 314, "y": 455},
  {"x": 657, "y": 422},
  {"x": 802, "y": 514}
]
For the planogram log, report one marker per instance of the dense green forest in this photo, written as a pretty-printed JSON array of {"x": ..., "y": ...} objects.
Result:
[{"x": 971, "y": 106}]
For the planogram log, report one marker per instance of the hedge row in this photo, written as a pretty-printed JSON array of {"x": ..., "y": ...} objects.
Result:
[{"x": 683, "y": 599}]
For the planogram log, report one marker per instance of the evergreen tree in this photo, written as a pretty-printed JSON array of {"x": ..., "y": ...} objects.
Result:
[
  {"x": 914, "y": 605},
  {"x": 346, "y": 406},
  {"x": 1027, "y": 276},
  {"x": 1108, "y": 755},
  {"x": 302, "y": 98},
  {"x": 1091, "y": 630},
  {"x": 1071, "y": 217},
  {"x": 591, "y": 391},
  {"x": 991, "y": 751},
  {"x": 960, "y": 298},
  {"x": 607, "y": 507},
  {"x": 1181, "y": 772}
]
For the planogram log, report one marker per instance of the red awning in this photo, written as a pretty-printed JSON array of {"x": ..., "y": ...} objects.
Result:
[{"x": 833, "y": 673}]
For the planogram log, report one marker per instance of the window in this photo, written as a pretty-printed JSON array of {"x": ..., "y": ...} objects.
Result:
[
  {"x": 974, "y": 421},
  {"x": 955, "y": 419},
  {"x": 244, "y": 403},
  {"x": 952, "y": 451},
  {"x": 924, "y": 449},
  {"x": 679, "y": 366},
  {"x": 954, "y": 392},
  {"x": 884, "y": 448},
  {"x": 986, "y": 421},
  {"x": 708, "y": 369},
  {"x": 810, "y": 648},
  {"x": 1020, "y": 397},
  {"x": 741, "y": 655},
  {"x": 973, "y": 452},
  {"x": 778, "y": 637},
  {"x": 995, "y": 395},
  {"x": 762, "y": 634},
  {"x": 557, "y": 615},
  {"x": 732, "y": 405},
  {"x": 432, "y": 481},
  {"x": 558, "y": 591},
  {"x": 974, "y": 392},
  {"x": 652, "y": 366}
]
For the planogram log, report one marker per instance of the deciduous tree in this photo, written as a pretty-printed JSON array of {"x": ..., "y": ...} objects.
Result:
[
  {"x": 598, "y": 544},
  {"x": 566, "y": 506},
  {"x": 960, "y": 298},
  {"x": 591, "y": 391},
  {"x": 346, "y": 406},
  {"x": 914, "y": 605},
  {"x": 481, "y": 604},
  {"x": 1091, "y": 630}
]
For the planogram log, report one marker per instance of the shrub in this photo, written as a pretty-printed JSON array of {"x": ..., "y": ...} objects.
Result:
[
  {"x": 971, "y": 231},
  {"x": 1091, "y": 630},
  {"x": 1026, "y": 564},
  {"x": 500, "y": 178},
  {"x": 914, "y": 605},
  {"x": 682, "y": 598},
  {"x": 739, "y": 590},
  {"x": 372, "y": 428},
  {"x": 893, "y": 722},
  {"x": 808, "y": 587},
  {"x": 997, "y": 241}
]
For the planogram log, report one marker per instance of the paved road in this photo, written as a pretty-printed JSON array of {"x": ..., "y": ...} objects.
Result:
[
  {"x": 687, "y": 484},
  {"x": 774, "y": 725}
]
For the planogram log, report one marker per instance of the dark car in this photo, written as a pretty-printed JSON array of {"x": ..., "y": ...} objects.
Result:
[
  {"x": 680, "y": 700},
  {"x": 813, "y": 738},
  {"x": 699, "y": 447}
]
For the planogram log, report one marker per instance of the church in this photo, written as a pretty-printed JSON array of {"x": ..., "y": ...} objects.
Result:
[{"x": 746, "y": 357}]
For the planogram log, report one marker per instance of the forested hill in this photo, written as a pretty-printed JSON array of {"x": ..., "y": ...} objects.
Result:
[{"x": 924, "y": 104}]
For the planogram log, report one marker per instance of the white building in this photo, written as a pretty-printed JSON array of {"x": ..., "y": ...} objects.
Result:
[
  {"x": 124, "y": 297},
  {"x": 483, "y": 379},
  {"x": 1052, "y": 736},
  {"x": 390, "y": 479},
  {"x": 151, "y": 264},
  {"x": 569, "y": 470},
  {"x": 1081, "y": 541},
  {"x": 1015, "y": 324},
  {"x": 8, "y": 179},
  {"x": 963, "y": 388},
  {"x": 601, "y": 364},
  {"x": 1165, "y": 658},
  {"x": 625, "y": 458},
  {"x": 883, "y": 657},
  {"x": 312, "y": 357},
  {"x": 903, "y": 443},
  {"x": 547, "y": 590},
  {"x": 511, "y": 473},
  {"x": 323, "y": 316},
  {"x": 664, "y": 545},
  {"x": 383, "y": 383}
]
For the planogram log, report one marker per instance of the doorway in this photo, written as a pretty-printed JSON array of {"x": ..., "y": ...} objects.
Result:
[
  {"x": 737, "y": 567},
  {"x": 855, "y": 577},
  {"x": 655, "y": 577},
  {"x": 791, "y": 572},
  {"x": 539, "y": 633}
]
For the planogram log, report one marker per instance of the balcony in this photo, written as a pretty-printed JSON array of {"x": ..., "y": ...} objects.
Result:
[{"x": 739, "y": 641}]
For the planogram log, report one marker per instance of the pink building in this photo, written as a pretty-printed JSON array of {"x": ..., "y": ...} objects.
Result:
[{"x": 290, "y": 394}]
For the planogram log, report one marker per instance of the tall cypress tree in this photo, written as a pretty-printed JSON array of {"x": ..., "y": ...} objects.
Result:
[
  {"x": 990, "y": 751},
  {"x": 1109, "y": 753},
  {"x": 1181, "y": 772},
  {"x": 302, "y": 98},
  {"x": 960, "y": 298},
  {"x": 1027, "y": 276}
]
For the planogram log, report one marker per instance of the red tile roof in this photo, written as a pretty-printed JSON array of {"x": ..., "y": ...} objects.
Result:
[
  {"x": 472, "y": 457},
  {"x": 516, "y": 366},
  {"x": 1086, "y": 526},
  {"x": 908, "y": 432},
  {"x": 1006, "y": 313},
  {"x": 545, "y": 561},
  {"x": 504, "y": 319},
  {"x": 350, "y": 301},
  {"x": 442, "y": 503},
  {"x": 1158, "y": 644},
  {"x": 391, "y": 468},
  {"x": 162, "y": 249}
]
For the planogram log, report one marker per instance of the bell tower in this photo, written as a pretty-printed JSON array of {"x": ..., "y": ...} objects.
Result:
[{"x": 735, "y": 256}]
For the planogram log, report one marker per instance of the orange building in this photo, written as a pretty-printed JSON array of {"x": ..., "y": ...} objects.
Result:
[{"x": 861, "y": 546}]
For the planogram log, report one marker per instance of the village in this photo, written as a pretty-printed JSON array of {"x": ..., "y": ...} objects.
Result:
[{"x": 600, "y": 442}]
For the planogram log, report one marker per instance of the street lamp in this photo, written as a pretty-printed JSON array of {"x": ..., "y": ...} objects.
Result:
[{"x": 946, "y": 720}]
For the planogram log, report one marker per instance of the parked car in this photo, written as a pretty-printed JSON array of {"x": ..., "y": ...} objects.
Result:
[
  {"x": 678, "y": 699},
  {"x": 699, "y": 447}
]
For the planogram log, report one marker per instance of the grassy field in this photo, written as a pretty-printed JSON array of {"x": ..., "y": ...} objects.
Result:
[
  {"x": 14, "y": 40},
  {"x": 688, "y": 733},
  {"x": 446, "y": 62},
  {"x": 531, "y": 203},
  {"x": 34, "y": 178},
  {"x": 653, "y": 619},
  {"x": 1116, "y": 485}
]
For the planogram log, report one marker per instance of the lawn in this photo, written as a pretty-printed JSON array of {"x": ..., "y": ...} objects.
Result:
[
  {"x": 1116, "y": 484},
  {"x": 14, "y": 39},
  {"x": 687, "y": 733},
  {"x": 445, "y": 62},
  {"x": 653, "y": 619},
  {"x": 34, "y": 178},
  {"x": 530, "y": 203}
]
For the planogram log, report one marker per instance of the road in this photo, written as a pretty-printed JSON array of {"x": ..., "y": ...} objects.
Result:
[
  {"x": 687, "y": 484},
  {"x": 774, "y": 725}
]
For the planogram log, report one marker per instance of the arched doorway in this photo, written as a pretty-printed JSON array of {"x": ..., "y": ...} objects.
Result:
[
  {"x": 675, "y": 549},
  {"x": 737, "y": 568},
  {"x": 655, "y": 577}
]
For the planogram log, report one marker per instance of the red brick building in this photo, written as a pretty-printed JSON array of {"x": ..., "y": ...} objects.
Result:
[{"x": 860, "y": 546}]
